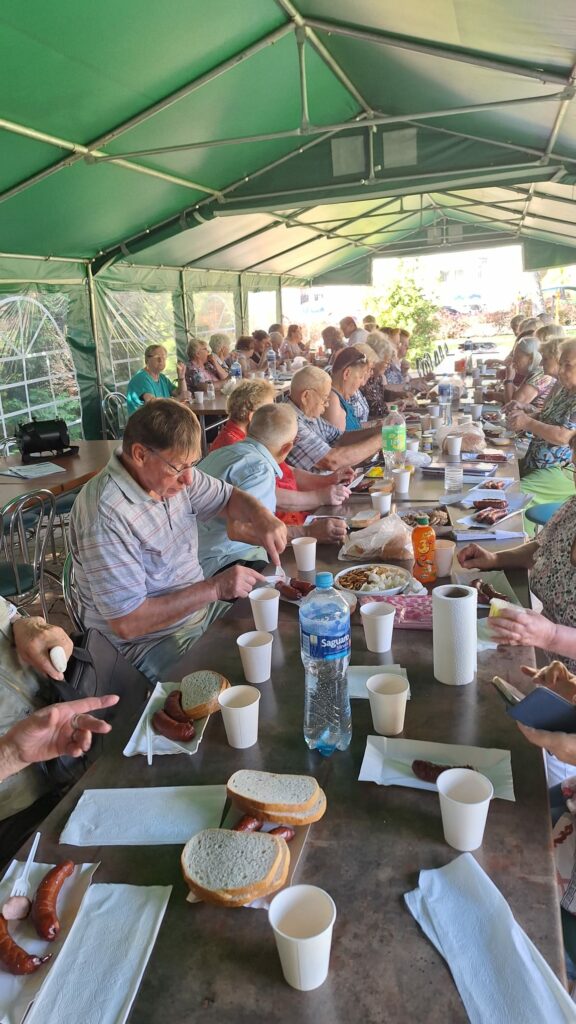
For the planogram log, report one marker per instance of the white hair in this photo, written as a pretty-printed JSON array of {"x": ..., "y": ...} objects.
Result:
[
  {"x": 308, "y": 378},
  {"x": 273, "y": 425},
  {"x": 530, "y": 347},
  {"x": 218, "y": 342}
]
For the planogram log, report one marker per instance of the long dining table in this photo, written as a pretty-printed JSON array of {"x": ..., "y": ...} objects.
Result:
[
  {"x": 210, "y": 963},
  {"x": 77, "y": 468}
]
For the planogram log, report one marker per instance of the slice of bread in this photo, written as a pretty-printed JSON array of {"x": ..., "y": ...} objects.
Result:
[
  {"x": 223, "y": 866},
  {"x": 200, "y": 692},
  {"x": 294, "y": 817},
  {"x": 271, "y": 792},
  {"x": 222, "y": 898}
]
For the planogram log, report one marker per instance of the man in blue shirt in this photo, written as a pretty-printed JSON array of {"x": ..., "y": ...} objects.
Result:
[
  {"x": 152, "y": 383},
  {"x": 253, "y": 466}
]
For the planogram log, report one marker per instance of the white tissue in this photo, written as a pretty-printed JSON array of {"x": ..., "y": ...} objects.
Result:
[{"x": 454, "y": 634}]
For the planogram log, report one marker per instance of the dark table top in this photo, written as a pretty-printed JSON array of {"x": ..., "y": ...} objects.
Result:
[{"x": 367, "y": 851}]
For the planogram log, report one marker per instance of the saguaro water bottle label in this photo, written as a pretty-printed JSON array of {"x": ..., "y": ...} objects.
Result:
[{"x": 326, "y": 648}]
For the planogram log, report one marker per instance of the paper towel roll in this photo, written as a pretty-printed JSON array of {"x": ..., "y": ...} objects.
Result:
[{"x": 454, "y": 611}]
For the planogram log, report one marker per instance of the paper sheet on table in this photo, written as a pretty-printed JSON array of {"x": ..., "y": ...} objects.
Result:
[
  {"x": 358, "y": 674},
  {"x": 500, "y": 974},
  {"x": 160, "y": 745},
  {"x": 32, "y": 472},
  {"x": 18, "y": 991},
  {"x": 488, "y": 534},
  {"x": 296, "y": 847},
  {"x": 143, "y": 817},
  {"x": 97, "y": 975},
  {"x": 388, "y": 762}
]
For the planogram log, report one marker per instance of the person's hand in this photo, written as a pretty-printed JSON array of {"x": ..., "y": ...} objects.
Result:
[
  {"x": 554, "y": 676},
  {"x": 561, "y": 744},
  {"x": 335, "y": 495},
  {"x": 181, "y": 370},
  {"x": 34, "y": 639},
  {"x": 237, "y": 581},
  {"x": 475, "y": 557},
  {"x": 522, "y": 627},
  {"x": 331, "y": 531},
  {"x": 59, "y": 729},
  {"x": 340, "y": 476},
  {"x": 518, "y": 420}
]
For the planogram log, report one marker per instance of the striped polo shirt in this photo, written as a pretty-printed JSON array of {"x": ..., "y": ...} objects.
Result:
[{"x": 128, "y": 546}]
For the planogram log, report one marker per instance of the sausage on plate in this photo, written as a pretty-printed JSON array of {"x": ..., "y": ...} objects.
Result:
[
  {"x": 284, "y": 831},
  {"x": 427, "y": 771},
  {"x": 44, "y": 913},
  {"x": 15, "y": 959},
  {"x": 173, "y": 707},
  {"x": 181, "y": 732},
  {"x": 248, "y": 824}
]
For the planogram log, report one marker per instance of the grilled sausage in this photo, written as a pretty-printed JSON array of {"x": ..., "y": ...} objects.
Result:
[
  {"x": 493, "y": 485},
  {"x": 44, "y": 905},
  {"x": 248, "y": 824},
  {"x": 491, "y": 516},
  {"x": 427, "y": 771},
  {"x": 15, "y": 959},
  {"x": 302, "y": 586},
  {"x": 182, "y": 732},
  {"x": 284, "y": 831},
  {"x": 486, "y": 592},
  {"x": 173, "y": 707},
  {"x": 288, "y": 592},
  {"x": 491, "y": 503}
]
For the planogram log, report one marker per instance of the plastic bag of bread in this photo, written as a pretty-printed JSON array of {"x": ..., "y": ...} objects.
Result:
[
  {"x": 388, "y": 538},
  {"x": 472, "y": 435}
]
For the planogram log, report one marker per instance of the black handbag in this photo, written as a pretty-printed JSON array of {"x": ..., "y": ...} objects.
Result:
[
  {"x": 94, "y": 669},
  {"x": 43, "y": 439}
]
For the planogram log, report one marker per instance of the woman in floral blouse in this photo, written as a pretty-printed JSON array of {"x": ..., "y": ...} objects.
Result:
[{"x": 527, "y": 365}]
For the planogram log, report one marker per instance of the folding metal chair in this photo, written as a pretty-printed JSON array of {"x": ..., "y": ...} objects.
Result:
[
  {"x": 115, "y": 409},
  {"x": 71, "y": 595},
  {"x": 26, "y": 529}
]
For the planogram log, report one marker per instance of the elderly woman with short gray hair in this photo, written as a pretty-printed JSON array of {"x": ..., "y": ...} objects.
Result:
[
  {"x": 535, "y": 385},
  {"x": 221, "y": 347},
  {"x": 201, "y": 369}
]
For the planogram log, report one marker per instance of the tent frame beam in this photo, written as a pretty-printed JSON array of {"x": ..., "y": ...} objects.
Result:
[{"x": 435, "y": 50}]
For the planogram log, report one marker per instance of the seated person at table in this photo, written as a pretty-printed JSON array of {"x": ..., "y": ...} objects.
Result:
[
  {"x": 349, "y": 372},
  {"x": 261, "y": 345},
  {"x": 134, "y": 540},
  {"x": 546, "y": 472},
  {"x": 297, "y": 491},
  {"x": 220, "y": 347},
  {"x": 374, "y": 390},
  {"x": 245, "y": 348},
  {"x": 319, "y": 445},
  {"x": 526, "y": 364},
  {"x": 31, "y": 732},
  {"x": 151, "y": 383},
  {"x": 253, "y": 465},
  {"x": 351, "y": 331},
  {"x": 202, "y": 368},
  {"x": 294, "y": 345},
  {"x": 334, "y": 343}
]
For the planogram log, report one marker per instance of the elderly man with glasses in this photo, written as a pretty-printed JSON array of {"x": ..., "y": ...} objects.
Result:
[
  {"x": 134, "y": 540},
  {"x": 320, "y": 446}
]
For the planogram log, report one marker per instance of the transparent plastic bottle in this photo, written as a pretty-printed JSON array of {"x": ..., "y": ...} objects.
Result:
[
  {"x": 394, "y": 439},
  {"x": 236, "y": 370},
  {"x": 271, "y": 357},
  {"x": 325, "y": 651},
  {"x": 445, "y": 393}
]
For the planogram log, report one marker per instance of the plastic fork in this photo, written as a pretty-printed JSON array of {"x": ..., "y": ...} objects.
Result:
[
  {"x": 20, "y": 887},
  {"x": 149, "y": 753}
]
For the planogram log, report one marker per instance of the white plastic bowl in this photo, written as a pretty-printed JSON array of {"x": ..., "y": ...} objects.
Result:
[{"x": 372, "y": 594}]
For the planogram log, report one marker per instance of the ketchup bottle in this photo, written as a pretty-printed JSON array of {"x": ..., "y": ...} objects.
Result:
[{"x": 424, "y": 546}]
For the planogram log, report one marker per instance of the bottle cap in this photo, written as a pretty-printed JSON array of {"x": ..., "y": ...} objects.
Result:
[
  {"x": 393, "y": 408},
  {"x": 422, "y": 520},
  {"x": 324, "y": 580}
]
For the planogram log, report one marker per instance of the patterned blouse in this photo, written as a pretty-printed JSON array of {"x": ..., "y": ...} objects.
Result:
[
  {"x": 196, "y": 376},
  {"x": 553, "y": 578},
  {"x": 543, "y": 384},
  {"x": 373, "y": 391},
  {"x": 359, "y": 407},
  {"x": 559, "y": 410}
]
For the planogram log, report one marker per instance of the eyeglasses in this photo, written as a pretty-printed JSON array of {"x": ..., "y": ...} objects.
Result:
[
  {"x": 323, "y": 399},
  {"x": 176, "y": 471}
]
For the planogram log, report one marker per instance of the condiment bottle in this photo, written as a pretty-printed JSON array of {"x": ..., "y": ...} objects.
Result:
[{"x": 424, "y": 546}]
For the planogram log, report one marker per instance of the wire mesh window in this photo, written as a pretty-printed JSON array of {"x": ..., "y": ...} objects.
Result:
[
  {"x": 214, "y": 313},
  {"x": 37, "y": 373},
  {"x": 135, "y": 320}
]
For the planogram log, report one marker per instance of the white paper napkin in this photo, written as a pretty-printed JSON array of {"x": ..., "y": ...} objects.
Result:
[
  {"x": 143, "y": 817},
  {"x": 499, "y": 973},
  {"x": 358, "y": 674},
  {"x": 18, "y": 991},
  {"x": 97, "y": 975},
  {"x": 388, "y": 762},
  {"x": 466, "y": 535},
  {"x": 160, "y": 745}
]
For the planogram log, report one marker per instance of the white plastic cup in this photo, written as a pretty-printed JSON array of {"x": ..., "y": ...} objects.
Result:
[
  {"x": 443, "y": 557},
  {"x": 434, "y": 410},
  {"x": 381, "y": 502},
  {"x": 477, "y": 412},
  {"x": 437, "y": 421},
  {"x": 305, "y": 553},
  {"x": 465, "y": 797},
  {"x": 412, "y": 445},
  {"x": 378, "y": 622},
  {"x": 199, "y": 397},
  {"x": 401, "y": 478},
  {"x": 302, "y": 919},
  {"x": 388, "y": 694},
  {"x": 256, "y": 655},
  {"x": 453, "y": 445},
  {"x": 265, "y": 602},
  {"x": 239, "y": 706}
]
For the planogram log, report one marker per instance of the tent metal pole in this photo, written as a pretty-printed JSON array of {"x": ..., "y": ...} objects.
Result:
[
  {"x": 96, "y": 336},
  {"x": 301, "y": 46},
  {"x": 432, "y": 50},
  {"x": 42, "y": 259},
  {"x": 307, "y": 129},
  {"x": 185, "y": 305}
]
